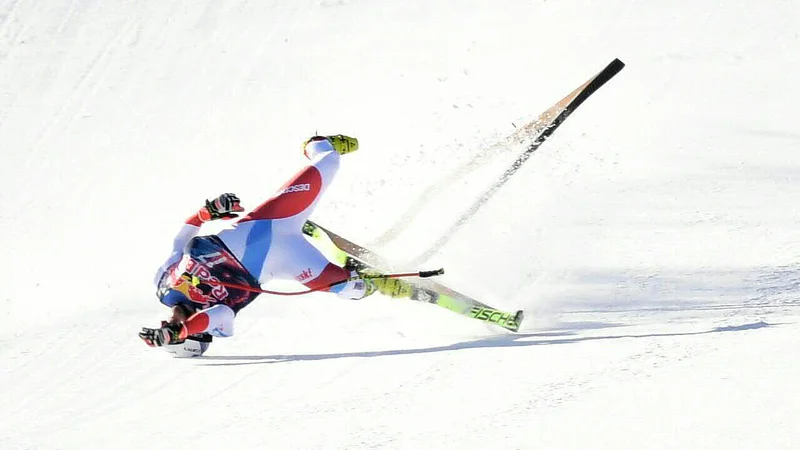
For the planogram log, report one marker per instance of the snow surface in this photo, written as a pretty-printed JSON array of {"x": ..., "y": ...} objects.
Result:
[{"x": 653, "y": 241}]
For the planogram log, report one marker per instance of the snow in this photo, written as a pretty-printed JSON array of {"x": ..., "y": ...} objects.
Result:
[{"x": 653, "y": 241}]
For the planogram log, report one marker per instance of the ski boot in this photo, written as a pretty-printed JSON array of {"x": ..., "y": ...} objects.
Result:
[
  {"x": 391, "y": 287},
  {"x": 341, "y": 144}
]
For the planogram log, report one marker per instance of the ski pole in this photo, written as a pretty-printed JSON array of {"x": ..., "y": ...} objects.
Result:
[{"x": 242, "y": 287}]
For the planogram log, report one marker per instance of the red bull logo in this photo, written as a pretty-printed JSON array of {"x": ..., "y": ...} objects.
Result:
[{"x": 194, "y": 280}]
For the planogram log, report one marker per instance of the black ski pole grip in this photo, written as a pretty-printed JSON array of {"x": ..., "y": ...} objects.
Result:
[{"x": 431, "y": 273}]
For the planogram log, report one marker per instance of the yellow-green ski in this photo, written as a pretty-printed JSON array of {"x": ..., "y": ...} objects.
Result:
[{"x": 341, "y": 250}]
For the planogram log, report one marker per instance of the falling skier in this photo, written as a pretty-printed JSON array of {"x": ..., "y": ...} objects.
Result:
[{"x": 265, "y": 244}]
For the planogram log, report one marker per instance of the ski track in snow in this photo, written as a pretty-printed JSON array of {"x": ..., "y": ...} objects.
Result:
[{"x": 652, "y": 240}]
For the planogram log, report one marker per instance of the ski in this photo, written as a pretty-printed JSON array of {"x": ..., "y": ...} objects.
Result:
[
  {"x": 467, "y": 306},
  {"x": 427, "y": 291},
  {"x": 336, "y": 242},
  {"x": 532, "y": 135},
  {"x": 543, "y": 127}
]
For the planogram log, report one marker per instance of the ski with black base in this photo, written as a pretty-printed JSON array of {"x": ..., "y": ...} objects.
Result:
[
  {"x": 352, "y": 255},
  {"x": 542, "y": 128}
]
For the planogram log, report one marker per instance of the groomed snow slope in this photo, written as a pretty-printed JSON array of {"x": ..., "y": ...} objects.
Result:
[{"x": 653, "y": 241}]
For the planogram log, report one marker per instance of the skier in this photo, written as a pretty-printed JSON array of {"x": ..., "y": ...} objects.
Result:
[{"x": 266, "y": 244}]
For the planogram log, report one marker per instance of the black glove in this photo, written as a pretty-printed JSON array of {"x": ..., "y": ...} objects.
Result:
[
  {"x": 169, "y": 333},
  {"x": 221, "y": 207}
]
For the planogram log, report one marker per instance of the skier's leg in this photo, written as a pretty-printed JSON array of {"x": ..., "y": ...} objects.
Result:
[
  {"x": 216, "y": 321},
  {"x": 299, "y": 196},
  {"x": 252, "y": 237},
  {"x": 294, "y": 257}
]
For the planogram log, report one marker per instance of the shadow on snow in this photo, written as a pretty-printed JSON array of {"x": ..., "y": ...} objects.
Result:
[{"x": 516, "y": 340}]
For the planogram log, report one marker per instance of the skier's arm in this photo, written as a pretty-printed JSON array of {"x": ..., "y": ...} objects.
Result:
[
  {"x": 222, "y": 207},
  {"x": 189, "y": 230}
]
